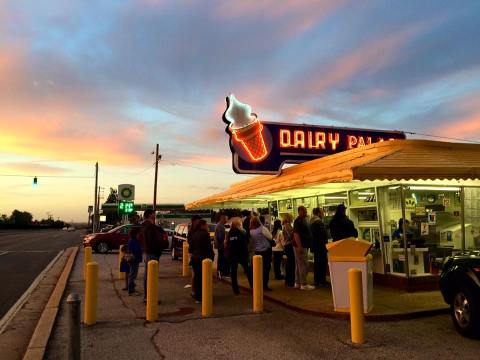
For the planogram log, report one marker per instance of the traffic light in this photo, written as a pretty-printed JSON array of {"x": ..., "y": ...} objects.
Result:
[{"x": 125, "y": 207}]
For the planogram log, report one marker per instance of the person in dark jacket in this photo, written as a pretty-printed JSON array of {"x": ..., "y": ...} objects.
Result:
[
  {"x": 237, "y": 249},
  {"x": 341, "y": 227},
  {"x": 135, "y": 249},
  {"x": 201, "y": 249},
  {"x": 320, "y": 239},
  {"x": 192, "y": 227},
  {"x": 153, "y": 247}
]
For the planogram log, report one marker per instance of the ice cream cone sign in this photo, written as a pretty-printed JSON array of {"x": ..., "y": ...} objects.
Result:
[{"x": 246, "y": 129}]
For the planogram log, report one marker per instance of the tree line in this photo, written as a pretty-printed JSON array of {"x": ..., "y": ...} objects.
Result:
[{"x": 23, "y": 219}]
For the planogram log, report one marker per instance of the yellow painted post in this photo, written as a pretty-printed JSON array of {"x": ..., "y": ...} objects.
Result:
[
  {"x": 121, "y": 274},
  {"x": 86, "y": 259},
  {"x": 356, "y": 305},
  {"x": 207, "y": 291},
  {"x": 185, "y": 271},
  {"x": 257, "y": 283},
  {"x": 152, "y": 291},
  {"x": 91, "y": 294}
]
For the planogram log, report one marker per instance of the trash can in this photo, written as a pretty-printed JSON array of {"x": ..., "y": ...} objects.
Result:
[{"x": 342, "y": 256}]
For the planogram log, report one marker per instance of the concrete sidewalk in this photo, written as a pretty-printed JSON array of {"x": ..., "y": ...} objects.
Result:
[
  {"x": 389, "y": 304},
  {"x": 122, "y": 317}
]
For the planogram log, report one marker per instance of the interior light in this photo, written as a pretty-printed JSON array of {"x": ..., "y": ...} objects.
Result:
[{"x": 432, "y": 188}]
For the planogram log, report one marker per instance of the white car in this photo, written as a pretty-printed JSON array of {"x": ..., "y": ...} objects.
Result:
[{"x": 71, "y": 228}]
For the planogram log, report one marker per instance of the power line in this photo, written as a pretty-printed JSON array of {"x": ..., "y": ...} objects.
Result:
[
  {"x": 173, "y": 163},
  {"x": 442, "y": 137},
  {"x": 50, "y": 176}
]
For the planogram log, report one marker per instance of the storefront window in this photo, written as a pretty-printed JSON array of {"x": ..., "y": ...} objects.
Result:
[
  {"x": 472, "y": 218},
  {"x": 364, "y": 197},
  {"x": 310, "y": 203},
  {"x": 390, "y": 211}
]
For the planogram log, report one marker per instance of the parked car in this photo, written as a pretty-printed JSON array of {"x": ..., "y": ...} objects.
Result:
[
  {"x": 180, "y": 235},
  {"x": 71, "y": 228},
  {"x": 170, "y": 237},
  {"x": 107, "y": 228},
  {"x": 111, "y": 240},
  {"x": 460, "y": 287}
]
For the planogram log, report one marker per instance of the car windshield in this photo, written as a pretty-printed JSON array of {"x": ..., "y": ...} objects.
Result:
[{"x": 116, "y": 228}]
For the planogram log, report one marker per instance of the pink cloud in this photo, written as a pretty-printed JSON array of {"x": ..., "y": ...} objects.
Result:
[
  {"x": 31, "y": 168},
  {"x": 296, "y": 16}
]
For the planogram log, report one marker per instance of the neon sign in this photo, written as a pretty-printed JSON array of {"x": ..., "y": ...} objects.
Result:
[{"x": 260, "y": 147}]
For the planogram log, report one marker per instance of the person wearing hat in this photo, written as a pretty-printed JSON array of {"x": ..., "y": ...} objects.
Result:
[{"x": 341, "y": 227}]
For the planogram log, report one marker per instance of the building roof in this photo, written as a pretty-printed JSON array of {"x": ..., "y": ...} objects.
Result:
[{"x": 389, "y": 160}]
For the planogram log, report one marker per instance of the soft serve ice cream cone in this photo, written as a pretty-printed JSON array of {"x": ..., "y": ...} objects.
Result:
[{"x": 246, "y": 128}]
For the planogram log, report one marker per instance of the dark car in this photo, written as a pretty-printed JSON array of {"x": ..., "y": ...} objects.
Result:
[
  {"x": 460, "y": 287},
  {"x": 111, "y": 240},
  {"x": 180, "y": 236}
]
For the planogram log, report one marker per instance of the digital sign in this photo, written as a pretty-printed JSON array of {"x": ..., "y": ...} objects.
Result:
[{"x": 260, "y": 147}]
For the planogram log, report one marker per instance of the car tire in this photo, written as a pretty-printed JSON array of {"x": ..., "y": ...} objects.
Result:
[
  {"x": 465, "y": 312},
  {"x": 102, "y": 247},
  {"x": 174, "y": 254}
]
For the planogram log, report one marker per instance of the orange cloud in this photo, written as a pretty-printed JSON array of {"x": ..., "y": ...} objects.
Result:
[
  {"x": 30, "y": 168},
  {"x": 468, "y": 127}
]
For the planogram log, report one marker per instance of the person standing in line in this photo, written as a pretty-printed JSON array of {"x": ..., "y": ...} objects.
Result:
[
  {"x": 262, "y": 238},
  {"x": 302, "y": 236},
  {"x": 320, "y": 239},
  {"x": 236, "y": 247},
  {"x": 341, "y": 227},
  {"x": 135, "y": 249},
  {"x": 277, "y": 234},
  {"x": 287, "y": 242},
  {"x": 219, "y": 239},
  {"x": 201, "y": 250},
  {"x": 153, "y": 247},
  {"x": 246, "y": 226},
  {"x": 192, "y": 228}
]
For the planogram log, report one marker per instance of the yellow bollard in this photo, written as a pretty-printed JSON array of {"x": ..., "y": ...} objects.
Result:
[
  {"x": 257, "y": 283},
  {"x": 207, "y": 291},
  {"x": 185, "y": 258},
  {"x": 91, "y": 294},
  {"x": 121, "y": 274},
  {"x": 356, "y": 305},
  {"x": 152, "y": 291},
  {"x": 86, "y": 259}
]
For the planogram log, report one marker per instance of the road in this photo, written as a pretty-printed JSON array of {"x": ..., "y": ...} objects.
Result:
[{"x": 23, "y": 255}]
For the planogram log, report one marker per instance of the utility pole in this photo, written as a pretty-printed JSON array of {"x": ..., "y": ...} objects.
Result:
[
  {"x": 95, "y": 209},
  {"x": 157, "y": 159}
]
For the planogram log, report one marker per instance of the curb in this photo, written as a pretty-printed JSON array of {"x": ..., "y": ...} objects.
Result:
[
  {"x": 23, "y": 299},
  {"x": 346, "y": 316},
  {"x": 39, "y": 340}
]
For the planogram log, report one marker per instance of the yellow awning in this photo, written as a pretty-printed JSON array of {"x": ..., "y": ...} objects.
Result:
[{"x": 389, "y": 160}]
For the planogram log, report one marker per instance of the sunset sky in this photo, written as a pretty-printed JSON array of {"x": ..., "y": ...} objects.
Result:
[{"x": 87, "y": 81}]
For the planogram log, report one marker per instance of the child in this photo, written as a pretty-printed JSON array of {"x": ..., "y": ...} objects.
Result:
[{"x": 135, "y": 249}]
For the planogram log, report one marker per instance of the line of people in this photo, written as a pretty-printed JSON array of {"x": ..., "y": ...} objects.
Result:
[{"x": 246, "y": 237}]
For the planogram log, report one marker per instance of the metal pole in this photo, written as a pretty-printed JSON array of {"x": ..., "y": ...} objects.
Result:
[
  {"x": 95, "y": 199},
  {"x": 155, "y": 184},
  {"x": 74, "y": 327},
  {"x": 462, "y": 214},
  {"x": 404, "y": 230},
  {"x": 355, "y": 291}
]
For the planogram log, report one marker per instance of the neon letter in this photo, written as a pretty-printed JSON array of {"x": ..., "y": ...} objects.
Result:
[
  {"x": 299, "y": 138},
  {"x": 334, "y": 141},
  {"x": 352, "y": 141},
  {"x": 319, "y": 140},
  {"x": 285, "y": 138}
]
